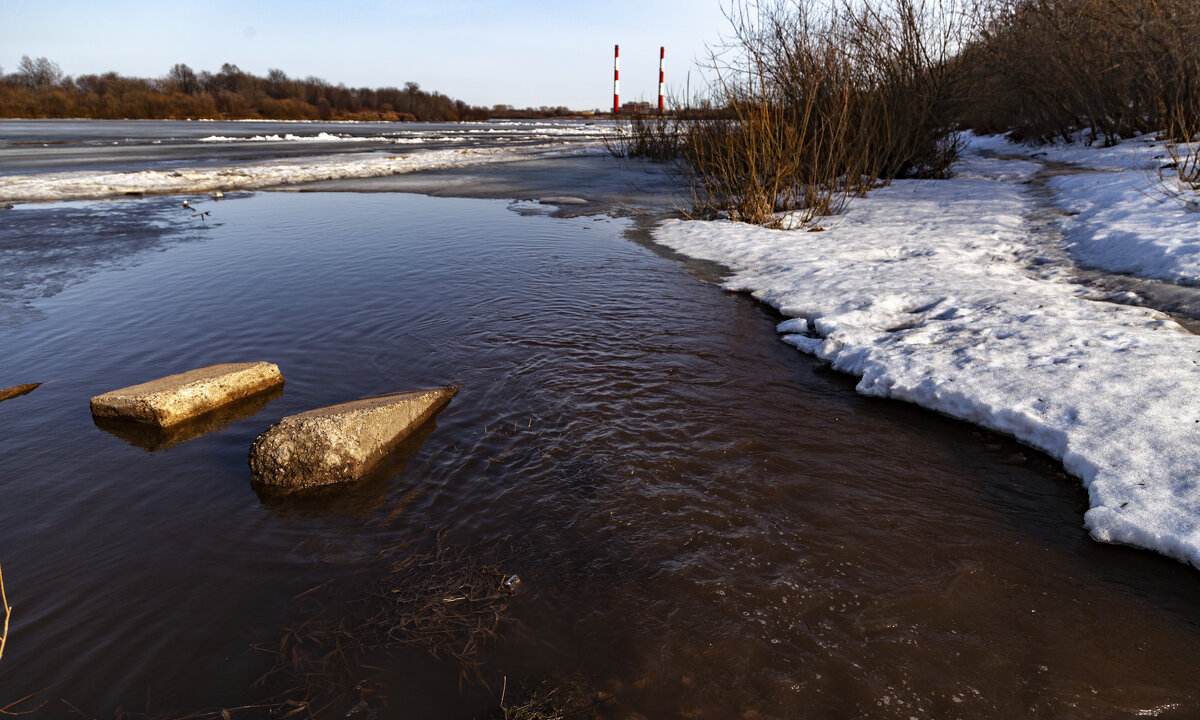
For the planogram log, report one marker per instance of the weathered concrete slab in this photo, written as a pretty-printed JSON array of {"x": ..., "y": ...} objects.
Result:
[
  {"x": 175, "y": 398},
  {"x": 17, "y": 391},
  {"x": 340, "y": 443},
  {"x": 153, "y": 438}
]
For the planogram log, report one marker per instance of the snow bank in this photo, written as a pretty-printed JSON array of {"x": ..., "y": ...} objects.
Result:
[
  {"x": 85, "y": 184},
  {"x": 925, "y": 291},
  {"x": 1125, "y": 224},
  {"x": 1122, "y": 219},
  {"x": 1140, "y": 153}
]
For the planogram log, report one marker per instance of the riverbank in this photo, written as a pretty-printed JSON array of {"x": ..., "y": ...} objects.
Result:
[{"x": 939, "y": 293}]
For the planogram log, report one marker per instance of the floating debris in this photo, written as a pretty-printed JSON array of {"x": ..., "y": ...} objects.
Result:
[{"x": 17, "y": 391}]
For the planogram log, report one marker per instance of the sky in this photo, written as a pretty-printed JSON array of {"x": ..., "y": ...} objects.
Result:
[{"x": 526, "y": 53}]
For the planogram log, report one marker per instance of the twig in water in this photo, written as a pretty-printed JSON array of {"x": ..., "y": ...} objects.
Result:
[
  {"x": 8, "y": 709},
  {"x": 7, "y": 614}
]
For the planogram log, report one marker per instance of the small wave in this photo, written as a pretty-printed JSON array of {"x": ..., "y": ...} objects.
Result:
[{"x": 289, "y": 137}]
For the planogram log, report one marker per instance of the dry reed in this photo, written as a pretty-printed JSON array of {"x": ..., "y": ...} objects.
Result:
[
  {"x": 821, "y": 102},
  {"x": 7, "y": 614},
  {"x": 653, "y": 137},
  {"x": 447, "y": 601},
  {"x": 551, "y": 700}
]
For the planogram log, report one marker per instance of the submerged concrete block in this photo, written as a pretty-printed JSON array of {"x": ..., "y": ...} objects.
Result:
[
  {"x": 339, "y": 443},
  {"x": 176, "y": 398}
]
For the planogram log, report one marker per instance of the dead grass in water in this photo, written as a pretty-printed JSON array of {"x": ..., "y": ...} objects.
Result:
[
  {"x": 446, "y": 600},
  {"x": 427, "y": 594}
]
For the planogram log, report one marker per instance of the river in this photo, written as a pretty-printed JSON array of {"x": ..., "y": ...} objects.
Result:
[{"x": 705, "y": 522}]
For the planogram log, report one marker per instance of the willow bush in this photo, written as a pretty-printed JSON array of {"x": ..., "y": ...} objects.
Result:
[{"x": 823, "y": 101}]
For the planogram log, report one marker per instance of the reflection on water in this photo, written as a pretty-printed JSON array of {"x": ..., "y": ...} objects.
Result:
[
  {"x": 706, "y": 523},
  {"x": 46, "y": 248}
]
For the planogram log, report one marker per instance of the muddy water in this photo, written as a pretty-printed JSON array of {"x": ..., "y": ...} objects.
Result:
[{"x": 707, "y": 523}]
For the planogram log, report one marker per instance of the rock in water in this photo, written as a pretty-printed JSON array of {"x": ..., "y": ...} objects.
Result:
[
  {"x": 176, "y": 398},
  {"x": 339, "y": 443}
]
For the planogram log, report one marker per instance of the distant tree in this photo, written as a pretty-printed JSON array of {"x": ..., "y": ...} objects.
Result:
[
  {"x": 38, "y": 74},
  {"x": 277, "y": 83},
  {"x": 230, "y": 77},
  {"x": 39, "y": 89},
  {"x": 324, "y": 109},
  {"x": 183, "y": 79}
]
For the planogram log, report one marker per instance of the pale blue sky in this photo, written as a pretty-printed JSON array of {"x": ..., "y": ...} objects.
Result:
[{"x": 527, "y": 52}]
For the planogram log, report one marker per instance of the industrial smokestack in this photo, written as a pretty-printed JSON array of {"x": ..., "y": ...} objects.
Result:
[
  {"x": 616, "y": 79},
  {"x": 662, "y": 60}
]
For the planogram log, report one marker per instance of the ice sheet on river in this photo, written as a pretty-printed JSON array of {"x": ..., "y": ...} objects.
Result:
[
  {"x": 88, "y": 184},
  {"x": 930, "y": 292}
]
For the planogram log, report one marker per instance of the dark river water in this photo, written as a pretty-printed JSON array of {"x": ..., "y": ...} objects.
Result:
[{"x": 706, "y": 523}]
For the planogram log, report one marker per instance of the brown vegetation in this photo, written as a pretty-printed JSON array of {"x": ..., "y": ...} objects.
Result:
[
  {"x": 445, "y": 600},
  {"x": 1046, "y": 69},
  {"x": 819, "y": 100},
  {"x": 39, "y": 90},
  {"x": 822, "y": 102},
  {"x": 551, "y": 700},
  {"x": 641, "y": 135}
]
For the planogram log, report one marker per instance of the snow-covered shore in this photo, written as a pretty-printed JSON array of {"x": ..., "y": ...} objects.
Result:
[{"x": 937, "y": 293}]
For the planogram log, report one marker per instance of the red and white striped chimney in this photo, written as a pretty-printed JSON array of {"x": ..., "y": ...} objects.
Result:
[
  {"x": 616, "y": 79},
  {"x": 662, "y": 60}
]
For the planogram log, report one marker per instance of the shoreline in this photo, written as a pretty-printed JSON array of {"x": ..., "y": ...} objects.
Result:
[{"x": 930, "y": 292}]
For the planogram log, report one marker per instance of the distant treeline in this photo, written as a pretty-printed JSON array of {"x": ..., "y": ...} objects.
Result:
[{"x": 39, "y": 89}]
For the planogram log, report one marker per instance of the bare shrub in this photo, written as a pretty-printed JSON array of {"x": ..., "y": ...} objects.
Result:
[
  {"x": 823, "y": 100},
  {"x": 1179, "y": 179},
  {"x": 1047, "y": 69},
  {"x": 653, "y": 137}
]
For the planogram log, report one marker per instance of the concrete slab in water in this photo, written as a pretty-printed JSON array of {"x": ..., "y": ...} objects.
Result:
[
  {"x": 176, "y": 398},
  {"x": 153, "y": 438},
  {"x": 340, "y": 443}
]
